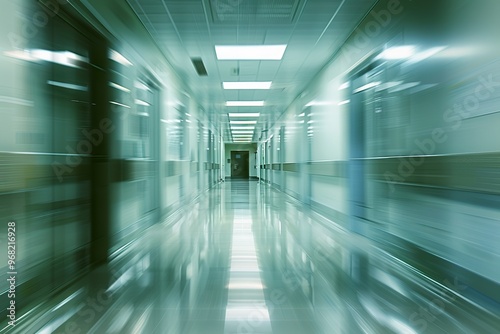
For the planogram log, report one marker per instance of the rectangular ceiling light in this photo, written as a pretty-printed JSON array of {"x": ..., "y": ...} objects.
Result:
[
  {"x": 244, "y": 103},
  {"x": 246, "y": 128},
  {"x": 242, "y": 131},
  {"x": 247, "y": 85},
  {"x": 242, "y": 122},
  {"x": 244, "y": 114},
  {"x": 250, "y": 52}
]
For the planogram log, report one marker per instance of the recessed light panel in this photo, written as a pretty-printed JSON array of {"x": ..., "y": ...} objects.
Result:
[
  {"x": 244, "y": 114},
  {"x": 244, "y": 103},
  {"x": 242, "y": 122},
  {"x": 250, "y": 52},
  {"x": 247, "y": 85},
  {"x": 248, "y": 127}
]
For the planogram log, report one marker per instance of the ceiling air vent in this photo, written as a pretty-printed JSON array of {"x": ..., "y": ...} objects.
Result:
[
  {"x": 259, "y": 11},
  {"x": 199, "y": 66}
]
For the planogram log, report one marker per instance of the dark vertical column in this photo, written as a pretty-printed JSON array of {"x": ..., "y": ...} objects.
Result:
[{"x": 102, "y": 130}]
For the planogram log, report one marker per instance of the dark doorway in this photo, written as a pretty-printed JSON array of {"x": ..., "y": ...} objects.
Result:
[{"x": 239, "y": 164}]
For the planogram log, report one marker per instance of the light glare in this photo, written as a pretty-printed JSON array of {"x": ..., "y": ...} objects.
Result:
[
  {"x": 247, "y": 85},
  {"x": 398, "y": 52},
  {"x": 253, "y": 114},
  {"x": 242, "y": 122},
  {"x": 244, "y": 103},
  {"x": 250, "y": 52}
]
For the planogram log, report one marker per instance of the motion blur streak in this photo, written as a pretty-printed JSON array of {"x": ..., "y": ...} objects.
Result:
[{"x": 359, "y": 193}]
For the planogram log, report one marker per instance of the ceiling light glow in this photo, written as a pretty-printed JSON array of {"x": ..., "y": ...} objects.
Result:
[
  {"x": 250, "y": 52},
  {"x": 249, "y": 127},
  {"x": 247, "y": 85},
  {"x": 254, "y": 114},
  {"x": 244, "y": 103},
  {"x": 242, "y": 122}
]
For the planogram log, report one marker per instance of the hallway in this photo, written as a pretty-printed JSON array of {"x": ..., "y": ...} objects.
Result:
[{"x": 250, "y": 166}]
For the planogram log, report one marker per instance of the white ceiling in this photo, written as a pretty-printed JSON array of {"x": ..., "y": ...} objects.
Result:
[{"x": 312, "y": 29}]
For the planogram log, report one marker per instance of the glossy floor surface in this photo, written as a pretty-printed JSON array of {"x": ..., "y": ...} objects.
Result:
[{"x": 245, "y": 258}]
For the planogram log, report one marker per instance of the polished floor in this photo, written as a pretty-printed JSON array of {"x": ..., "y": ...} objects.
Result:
[{"x": 245, "y": 258}]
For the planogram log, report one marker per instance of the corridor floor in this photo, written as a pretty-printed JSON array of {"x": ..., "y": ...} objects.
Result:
[{"x": 243, "y": 258}]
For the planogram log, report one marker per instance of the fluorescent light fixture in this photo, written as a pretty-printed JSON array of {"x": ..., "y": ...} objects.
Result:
[
  {"x": 398, "y": 52},
  {"x": 67, "y": 85},
  {"x": 248, "y": 114},
  {"x": 118, "y": 57},
  {"x": 250, "y": 52},
  {"x": 141, "y": 103},
  {"x": 242, "y": 122},
  {"x": 344, "y": 102},
  {"x": 117, "y": 86},
  {"x": 244, "y": 103},
  {"x": 119, "y": 104},
  {"x": 242, "y": 131},
  {"x": 247, "y": 85},
  {"x": 246, "y": 285},
  {"x": 141, "y": 86},
  {"x": 367, "y": 86},
  {"x": 65, "y": 58},
  {"x": 249, "y": 128}
]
